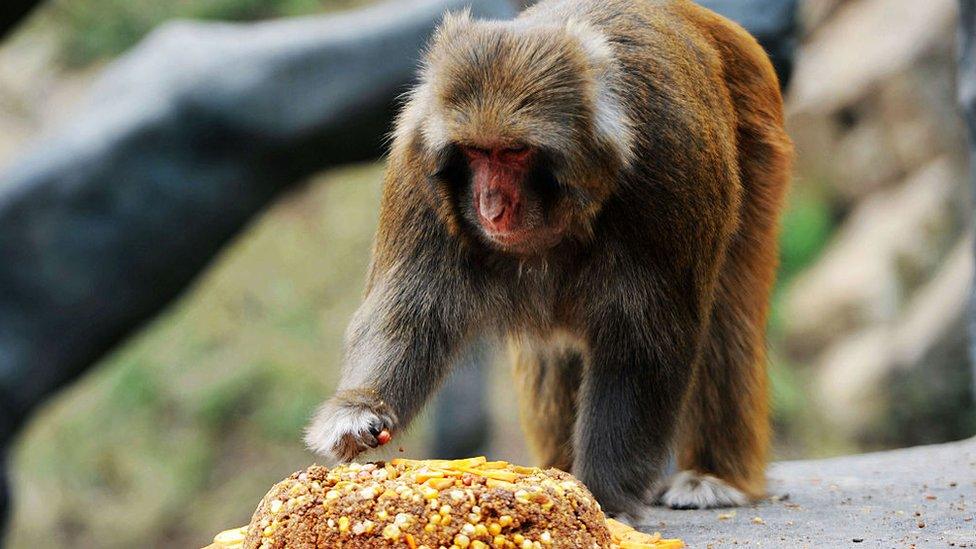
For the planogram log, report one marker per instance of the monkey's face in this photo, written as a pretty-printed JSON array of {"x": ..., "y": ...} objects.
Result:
[
  {"x": 514, "y": 120},
  {"x": 507, "y": 195}
]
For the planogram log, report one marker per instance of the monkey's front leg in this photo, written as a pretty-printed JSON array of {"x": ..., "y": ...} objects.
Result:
[
  {"x": 633, "y": 386},
  {"x": 398, "y": 350}
]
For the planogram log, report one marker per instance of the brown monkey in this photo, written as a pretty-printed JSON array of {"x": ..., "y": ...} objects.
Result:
[{"x": 599, "y": 180}]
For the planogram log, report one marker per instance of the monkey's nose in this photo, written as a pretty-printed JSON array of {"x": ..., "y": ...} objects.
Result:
[{"x": 492, "y": 205}]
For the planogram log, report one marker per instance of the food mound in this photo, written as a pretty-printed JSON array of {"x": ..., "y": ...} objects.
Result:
[{"x": 433, "y": 504}]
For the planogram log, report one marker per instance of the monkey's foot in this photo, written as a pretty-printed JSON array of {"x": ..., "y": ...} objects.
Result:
[
  {"x": 691, "y": 490},
  {"x": 339, "y": 432}
]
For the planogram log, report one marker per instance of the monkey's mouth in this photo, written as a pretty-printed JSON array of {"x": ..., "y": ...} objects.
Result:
[{"x": 523, "y": 241}]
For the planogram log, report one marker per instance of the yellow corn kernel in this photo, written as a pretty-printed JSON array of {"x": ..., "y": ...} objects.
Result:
[
  {"x": 391, "y": 531},
  {"x": 495, "y": 483},
  {"x": 440, "y": 483},
  {"x": 229, "y": 537}
]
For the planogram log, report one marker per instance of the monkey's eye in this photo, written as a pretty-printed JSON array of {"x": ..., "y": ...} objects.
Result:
[{"x": 475, "y": 152}]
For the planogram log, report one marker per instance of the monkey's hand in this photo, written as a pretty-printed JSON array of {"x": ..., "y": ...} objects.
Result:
[{"x": 351, "y": 422}]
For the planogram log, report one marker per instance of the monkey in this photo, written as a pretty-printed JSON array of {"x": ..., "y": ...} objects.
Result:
[{"x": 599, "y": 182}]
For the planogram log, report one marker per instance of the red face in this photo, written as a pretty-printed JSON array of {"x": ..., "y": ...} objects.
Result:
[{"x": 507, "y": 208}]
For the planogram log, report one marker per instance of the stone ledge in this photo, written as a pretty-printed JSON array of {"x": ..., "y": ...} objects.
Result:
[{"x": 916, "y": 497}]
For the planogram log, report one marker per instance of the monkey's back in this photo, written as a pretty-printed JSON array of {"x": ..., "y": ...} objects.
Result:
[{"x": 693, "y": 82}]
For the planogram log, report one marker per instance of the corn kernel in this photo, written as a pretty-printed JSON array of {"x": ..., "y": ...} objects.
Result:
[
  {"x": 391, "y": 531},
  {"x": 495, "y": 528},
  {"x": 462, "y": 541},
  {"x": 343, "y": 524},
  {"x": 440, "y": 483},
  {"x": 403, "y": 520}
]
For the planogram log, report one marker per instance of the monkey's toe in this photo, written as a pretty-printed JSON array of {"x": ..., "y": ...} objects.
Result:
[
  {"x": 691, "y": 490},
  {"x": 340, "y": 432}
]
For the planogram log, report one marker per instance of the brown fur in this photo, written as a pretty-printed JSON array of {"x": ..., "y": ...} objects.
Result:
[{"x": 661, "y": 125}]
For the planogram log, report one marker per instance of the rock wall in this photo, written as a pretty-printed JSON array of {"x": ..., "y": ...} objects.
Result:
[{"x": 879, "y": 319}]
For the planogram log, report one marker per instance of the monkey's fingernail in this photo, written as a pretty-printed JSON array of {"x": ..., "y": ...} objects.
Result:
[{"x": 384, "y": 437}]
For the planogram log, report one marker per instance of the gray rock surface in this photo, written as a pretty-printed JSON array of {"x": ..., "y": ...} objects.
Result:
[{"x": 917, "y": 497}]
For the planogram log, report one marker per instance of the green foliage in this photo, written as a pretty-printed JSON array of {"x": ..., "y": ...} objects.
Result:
[
  {"x": 92, "y": 30},
  {"x": 161, "y": 434},
  {"x": 806, "y": 227}
]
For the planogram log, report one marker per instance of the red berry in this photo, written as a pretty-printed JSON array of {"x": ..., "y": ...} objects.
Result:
[{"x": 384, "y": 437}]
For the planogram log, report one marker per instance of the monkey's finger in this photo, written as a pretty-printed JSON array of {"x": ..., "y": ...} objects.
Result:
[
  {"x": 367, "y": 439},
  {"x": 380, "y": 424}
]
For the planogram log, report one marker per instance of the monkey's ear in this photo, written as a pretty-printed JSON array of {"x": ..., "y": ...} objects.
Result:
[
  {"x": 612, "y": 125},
  {"x": 454, "y": 23}
]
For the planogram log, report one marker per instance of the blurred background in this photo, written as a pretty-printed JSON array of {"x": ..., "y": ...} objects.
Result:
[{"x": 178, "y": 432}]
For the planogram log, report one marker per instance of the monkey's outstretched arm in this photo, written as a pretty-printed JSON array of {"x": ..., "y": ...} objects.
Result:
[
  {"x": 399, "y": 345},
  {"x": 643, "y": 343}
]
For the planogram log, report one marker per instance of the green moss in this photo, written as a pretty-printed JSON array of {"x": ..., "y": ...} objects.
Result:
[{"x": 101, "y": 29}]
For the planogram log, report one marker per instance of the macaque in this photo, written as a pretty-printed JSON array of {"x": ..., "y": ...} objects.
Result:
[{"x": 599, "y": 182}]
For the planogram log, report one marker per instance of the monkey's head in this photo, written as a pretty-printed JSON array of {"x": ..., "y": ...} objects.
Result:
[{"x": 519, "y": 129}]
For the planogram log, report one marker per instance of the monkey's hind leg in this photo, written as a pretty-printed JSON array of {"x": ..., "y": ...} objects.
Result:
[
  {"x": 548, "y": 377},
  {"x": 724, "y": 439},
  {"x": 725, "y": 432},
  {"x": 724, "y": 435}
]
